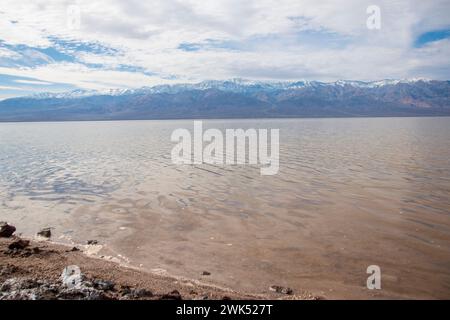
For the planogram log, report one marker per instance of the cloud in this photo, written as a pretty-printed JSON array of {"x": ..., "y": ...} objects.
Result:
[
  {"x": 35, "y": 82},
  {"x": 137, "y": 43},
  {"x": 82, "y": 76},
  {"x": 13, "y": 86}
]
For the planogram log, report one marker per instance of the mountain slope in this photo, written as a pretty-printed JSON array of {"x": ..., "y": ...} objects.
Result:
[{"x": 238, "y": 99}]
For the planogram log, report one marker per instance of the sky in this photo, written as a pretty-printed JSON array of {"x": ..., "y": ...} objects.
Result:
[{"x": 53, "y": 46}]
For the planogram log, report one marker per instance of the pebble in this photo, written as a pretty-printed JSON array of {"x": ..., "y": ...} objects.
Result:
[
  {"x": 46, "y": 233},
  {"x": 103, "y": 285},
  {"x": 19, "y": 244},
  {"x": 6, "y": 230},
  {"x": 174, "y": 295},
  {"x": 280, "y": 289}
]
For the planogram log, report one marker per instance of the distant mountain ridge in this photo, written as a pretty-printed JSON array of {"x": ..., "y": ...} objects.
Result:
[
  {"x": 238, "y": 98},
  {"x": 233, "y": 85}
]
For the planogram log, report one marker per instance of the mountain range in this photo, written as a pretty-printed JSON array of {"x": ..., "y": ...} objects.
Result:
[{"x": 238, "y": 98}]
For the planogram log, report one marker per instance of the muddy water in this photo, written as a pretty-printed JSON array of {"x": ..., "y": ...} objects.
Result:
[{"x": 350, "y": 193}]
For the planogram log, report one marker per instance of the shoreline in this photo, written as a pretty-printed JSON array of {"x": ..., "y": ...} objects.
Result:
[{"x": 32, "y": 269}]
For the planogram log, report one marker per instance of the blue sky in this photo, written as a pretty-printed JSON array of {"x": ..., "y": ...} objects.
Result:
[
  {"x": 431, "y": 36},
  {"x": 66, "y": 45}
]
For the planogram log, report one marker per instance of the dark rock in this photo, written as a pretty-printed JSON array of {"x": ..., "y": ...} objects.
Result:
[
  {"x": 174, "y": 295},
  {"x": 125, "y": 290},
  {"x": 74, "y": 249},
  {"x": 15, "y": 284},
  {"x": 206, "y": 273},
  {"x": 141, "y": 293},
  {"x": 8, "y": 269},
  {"x": 129, "y": 293},
  {"x": 82, "y": 293},
  {"x": 6, "y": 230},
  {"x": 19, "y": 252},
  {"x": 6, "y": 286},
  {"x": 33, "y": 289},
  {"x": 46, "y": 233},
  {"x": 48, "y": 292},
  {"x": 19, "y": 244},
  {"x": 90, "y": 242},
  {"x": 104, "y": 285},
  {"x": 279, "y": 289},
  {"x": 29, "y": 284}
]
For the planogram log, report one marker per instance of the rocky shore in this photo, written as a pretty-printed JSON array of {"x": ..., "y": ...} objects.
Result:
[{"x": 41, "y": 270}]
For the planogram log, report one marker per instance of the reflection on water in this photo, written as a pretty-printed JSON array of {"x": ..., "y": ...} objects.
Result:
[{"x": 350, "y": 193}]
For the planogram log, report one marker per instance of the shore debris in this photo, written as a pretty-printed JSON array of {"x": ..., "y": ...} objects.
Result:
[
  {"x": 31, "y": 270},
  {"x": 104, "y": 285},
  {"x": 19, "y": 244},
  {"x": 174, "y": 295},
  {"x": 6, "y": 230},
  {"x": 8, "y": 269},
  {"x": 92, "y": 242},
  {"x": 46, "y": 233},
  {"x": 280, "y": 289}
]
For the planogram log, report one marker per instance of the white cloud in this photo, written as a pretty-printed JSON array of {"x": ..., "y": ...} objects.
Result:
[
  {"x": 287, "y": 39},
  {"x": 9, "y": 88},
  {"x": 82, "y": 76},
  {"x": 33, "y": 82},
  {"x": 6, "y": 53}
]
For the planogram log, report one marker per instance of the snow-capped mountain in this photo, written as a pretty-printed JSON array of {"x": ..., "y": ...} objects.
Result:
[
  {"x": 236, "y": 85},
  {"x": 233, "y": 85},
  {"x": 238, "y": 98},
  {"x": 80, "y": 93}
]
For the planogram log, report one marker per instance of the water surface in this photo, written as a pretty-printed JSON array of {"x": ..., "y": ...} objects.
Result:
[{"x": 350, "y": 193}]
